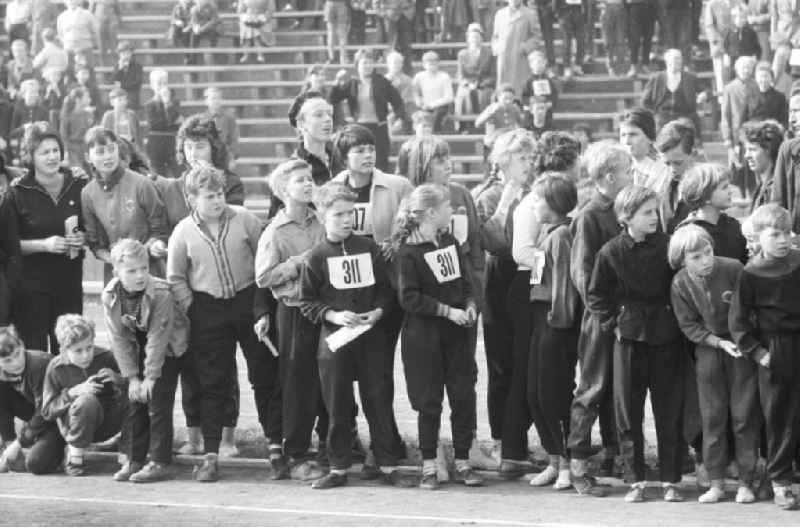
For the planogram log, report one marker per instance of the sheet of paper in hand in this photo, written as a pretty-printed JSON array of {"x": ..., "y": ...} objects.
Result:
[
  {"x": 444, "y": 264},
  {"x": 351, "y": 271},
  {"x": 344, "y": 336}
]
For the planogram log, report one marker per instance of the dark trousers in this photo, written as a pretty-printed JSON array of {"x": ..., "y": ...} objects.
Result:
[
  {"x": 779, "y": 387},
  {"x": 36, "y": 312},
  {"x": 191, "y": 392},
  {"x": 391, "y": 323},
  {"x": 594, "y": 395},
  {"x": 546, "y": 21},
  {"x": 399, "y": 34},
  {"x": 497, "y": 338},
  {"x": 358, "y": 27},
  {"x": 298, "y": 341},
  {"x": 614, "y": 22},
  {"x": 362, "y": 360},
  {"x": 436, "y": 355},
  {"x": 571, "y": 19},
  {"x": 160, "y": 148},
  {"x": 641, "y": 23},
  {"x": 517, "y": 419},
  {"x": 676, "y": 27},
  {"x": 181, "y": 39},
  {"x": 728, "y": 386},
  {"x": 551, "y": 379},
  {"x": 217, "y": 325},
  {"x": 148, "y": 426},
  {"x": 440, "y": 113},
  {"x": 41, "y": 437},
  {"x": 382, "y": 144},
  {"x": 638, "y": 367}
]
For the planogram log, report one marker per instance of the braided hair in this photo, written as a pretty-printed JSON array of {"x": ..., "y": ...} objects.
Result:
[{"x": 412, "y": 211}]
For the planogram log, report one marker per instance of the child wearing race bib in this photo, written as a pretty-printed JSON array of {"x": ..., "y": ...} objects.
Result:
[
  {"x": 344, "y": 286},
  {"x": 440, "y": 309},
  {"x": 554, "y": 337}
]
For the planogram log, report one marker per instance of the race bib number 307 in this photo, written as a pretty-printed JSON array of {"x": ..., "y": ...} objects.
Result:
[
  {"x": 362, "y": 219},
  {"x": 351, "y": 272},
  {"x": 444, "y": 264}
]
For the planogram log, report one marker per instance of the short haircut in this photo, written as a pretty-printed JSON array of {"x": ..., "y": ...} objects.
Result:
[
  {"x": 586, "y": 128},
  {"x": 9, "y": 341},
  {"x": 330, "y": 193},
  {"x": 699, "y": 183},
  {"x": 536, "y": 53},
  {"x": 641, "y": 118},
  {"x": 686, "y": 239},
  {"x": 196, "y": 128},
  {"x": 97, "y": 135},
  {"x": 558, "y": 190},
  {"x": 393, "y": 55},
  {"x": 281, "y": 175},
  {"x": 19, "y": 42},
  {"x": 204, "y": 177},
  {"x": 29, "y": 84},
  {"x": 349, "y": 137},
  {"x": 314, "y": 99},
  {"x": 430, "y": 56},
  {"x": 71, "y": 329},
  {"x": 128, "y": 248},
  {"x": 766, "y": 134},
  {"x": 117, "y": 93},
  {"x": 630, "y": 199},
  {"x": 672, "y": 51},
  {"x": 504, "y": 87},
  {"x": 764, "y": 66},
  {"x": 422, "y": 117},
  {"x": 605, "y": 157},
  {"x": 768, "y": 216},
  {"x": 744, "y": 60},
  {"x": 680, "y": 132},
  {"x": 559, "y": 151},
  {"x": 34, "y": 135},
  {"x": 363, "y": 54}
]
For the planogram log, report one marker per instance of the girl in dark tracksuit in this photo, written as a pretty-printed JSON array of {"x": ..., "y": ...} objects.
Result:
[
  {"x": 437, "y": 299},
  {"x": 630, "y": 294},
  {"x": 554, "y": 304}
]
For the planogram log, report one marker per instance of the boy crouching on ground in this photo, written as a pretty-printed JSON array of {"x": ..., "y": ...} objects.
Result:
[
  {"x": 82, "y": 391},
  {"x": 148, "y": 334}
]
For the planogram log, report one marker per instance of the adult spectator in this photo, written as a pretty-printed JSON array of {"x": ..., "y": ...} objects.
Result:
[
  {"x": 739, "y": 99},
  {"x": 51, "y": 55},
  {"x": 108, "y": 15},
  {"x": 46, "y": 206},
  {"x": 516, "y": 33},
  {"x": 225, "y": 122},
  {"x": 21, "y": 387},
  {"x": 404, "y": 85},
  {"x": 18, "y": 20},
  {"x": 786, "y": 184},
  {"x": 762, "y": 142},
  {"x": 676, "y": 143},
  {"x": 368, "y": 97},
  {"x": 475, "y": 76},
  {"x": 717, "y": 22},
  {"x": 163, "y": 114},
  {"x": 77, "y": 30},
  {"x": 784, "y": 33},
  {"x": 614, "y": 25},
  {"x": 314, "y": 86},
  {"x": 43, "y": 14},
  {"x": 672, "y": 93},
  {"x": 397, "y": 17},
  {"x": 128, "y": 74},
  {"x": 771, "y": 103},
  {"x": 545, "y": 9},
  {"x": 675, "y": 21},
  {"x": 205, "y": 22},
  {"x": 758, "y": 16},
  {"x": 641, "y": 24},
  {"x": 337, "y": 21}
]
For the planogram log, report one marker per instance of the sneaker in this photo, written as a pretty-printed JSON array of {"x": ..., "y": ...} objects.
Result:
[
  {"x": 784, "y": 498},
  {"x": 228, "y": 450},
  {"x": 127, "y": 470},
  {"x": 606, "y": 469},
  {"x": 587, "y": 486},
  {"x": 636, "y": 494},
  {"x": 510, "y": 469},
  {"x": 672, "y": 494},
  {"x": 279, "y": 466},
  {"x": 563, "y": 482},
  {"x": 75, "y": 467},
  {"x": 396, "y": 478},
  {"x": 468, "y": 477},
  {"x": 712, "y": 495},
  {"x": 151, "y": 473},
  {"x": 745, "y": 494},
  {"x": 329, "y": 481},
  {"x": 208, "y": 471},
  {"x": 429, "y": 482},
  {"x": 483, "y": 459},
  {"x": 305, "y": 471},
  {"x": 546, "y": 477}
]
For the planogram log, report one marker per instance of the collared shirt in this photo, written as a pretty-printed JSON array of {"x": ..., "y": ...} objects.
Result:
[
  {"x": 219, "y": 264},
  {"x": 282, "y": 251}
]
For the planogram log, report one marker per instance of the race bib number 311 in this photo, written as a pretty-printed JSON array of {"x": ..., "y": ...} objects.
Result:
[
  {"x": 351, "y": 272},
  {"x": 444, "y": 264}
]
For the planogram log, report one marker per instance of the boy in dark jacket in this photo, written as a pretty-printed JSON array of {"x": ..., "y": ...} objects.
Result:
[
  {"x": 630, "y": 293},
  {"x": 83, "y": 391},
  {"x": 764, "y": 321},
  {"x": 128, "y": 74},
  {"x": 344, "y": 286}
]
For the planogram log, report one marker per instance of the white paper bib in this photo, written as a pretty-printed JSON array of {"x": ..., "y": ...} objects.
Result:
[
  {"x": 444, "y": 264},
  {"x": 538, "y": 267},
  {"x": 541, "y": 88},
  {"x": 362, "y": 219},
  {"x": 458, "y": 227},
  {"x": 352, "y": 271}
]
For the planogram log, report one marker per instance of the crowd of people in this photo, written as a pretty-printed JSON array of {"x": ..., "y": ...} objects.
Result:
[{"x": 617, "y": 258}]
